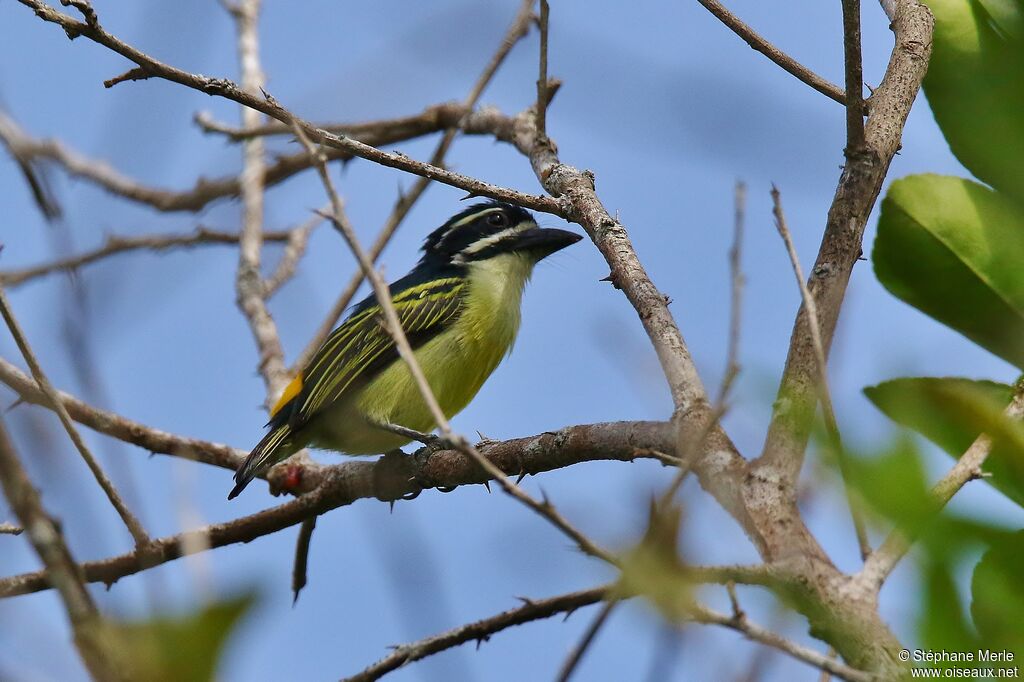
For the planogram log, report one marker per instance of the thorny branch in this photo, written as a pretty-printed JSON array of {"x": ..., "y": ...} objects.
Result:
[
  {"x": 481, "y": 630},
  {"x": 323, "y": 488}
]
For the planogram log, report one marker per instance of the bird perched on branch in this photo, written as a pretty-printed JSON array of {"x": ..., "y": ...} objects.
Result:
[{"x": 459, "y": 308}]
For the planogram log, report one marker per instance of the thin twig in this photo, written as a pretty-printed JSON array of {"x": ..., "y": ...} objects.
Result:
[
  {"x": 588, "y": 637},
  {"x": 825, "y": 395},
  {"x": 10, "y": 529},
  {"x": 134, "y": 526},
  {"x": 301, "y": 563},
  {"x": 542, "y": 78},
  {"x": 881, "y": 563},
  {"x": 406, "y": 200},
  {"x": 294, "y": 250},
  {"x": 385, "y": 131},
  {"x": 693, "y": 445},
  {"x": 480, "y": 631},
  {"x": 115, "y": 244},
  {"x": 120, "y": 427},
  {"x": 225, "y": 88},
  {"x": 854, "y": 71},
  {"x": 249, "y": 289},
  {"x": 28, "y": 150},
  {"x": 858, "y": 188},
  {"x": 764, "y": 636},
  {"x": 61, "y": 569},
  {"x": 773, "y": 53}
]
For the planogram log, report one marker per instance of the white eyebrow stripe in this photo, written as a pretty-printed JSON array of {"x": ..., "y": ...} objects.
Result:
[
  {"x": 481, "y": 244},
  {"x": 468, "y": 219}
]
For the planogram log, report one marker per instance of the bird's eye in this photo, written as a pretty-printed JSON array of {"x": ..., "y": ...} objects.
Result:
[{"x": 497, "y": 220}]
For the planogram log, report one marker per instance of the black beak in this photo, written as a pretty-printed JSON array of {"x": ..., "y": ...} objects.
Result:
[{"x": 543, "y": 242}]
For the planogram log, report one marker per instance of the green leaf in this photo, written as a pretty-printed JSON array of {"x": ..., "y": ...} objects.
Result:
[
  {"x": 954, "y": 249},
  {"x": 952, "y": 413},
  {"x": 974, "y": 88},
  {"x": 187, "y": 647},
  {"x": 998, "y": 595}
]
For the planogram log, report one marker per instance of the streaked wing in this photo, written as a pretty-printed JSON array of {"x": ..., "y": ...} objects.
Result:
[{"x": 361, "y": 347}]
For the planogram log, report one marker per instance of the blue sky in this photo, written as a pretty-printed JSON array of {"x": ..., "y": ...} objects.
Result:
[{"x": 664, "y": 104}]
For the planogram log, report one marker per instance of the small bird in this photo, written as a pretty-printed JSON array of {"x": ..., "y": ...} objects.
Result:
[{"x": 459, "y": 308}]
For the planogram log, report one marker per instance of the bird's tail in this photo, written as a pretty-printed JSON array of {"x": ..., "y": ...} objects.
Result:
[{"x": 274, "y": 447}]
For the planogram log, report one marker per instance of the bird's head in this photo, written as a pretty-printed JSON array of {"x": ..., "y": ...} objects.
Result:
[{"x": 485, "y": 231}]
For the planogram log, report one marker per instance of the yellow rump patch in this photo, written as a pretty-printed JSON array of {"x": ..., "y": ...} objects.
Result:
[{"x": 290, "y": 391}]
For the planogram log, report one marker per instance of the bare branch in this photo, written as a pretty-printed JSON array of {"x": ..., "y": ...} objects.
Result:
[
  {"x": 250, "y": 294},
  {"x": 790, "y": 65},
  {"x": 542, "y": 78},
  {"x": 588, "y": 637},
  {"x": 385, "y": 131},
  {"x": 481, "y": 630},
  {"x": 10, "y": 529},
  {"x": 61, "y": 569},
  {"x": 880, "y": 564},
  {"x": 854, "y": 75},
  {"x": 764, "y": 636},
  {"x": 134, "y": 526},
  {"x": 122, "y": 428},
  {"x": 115, "y": 244},
  {"x": 223, "y": 87},
  {"x": 378, "y": 133},
  {"x": 694, "y": 444},
  {"x": 824, "y": 392},
  {"x": 856, "y": 194},
  {"x": 516, "y": 31},
  {"x": 323, "y": 488},
  {"x": 294, "y": 250}
]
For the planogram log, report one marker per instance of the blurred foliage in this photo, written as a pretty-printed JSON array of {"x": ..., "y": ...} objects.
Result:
[
  {"x": 997, "y": 599},
  {"x": 952, "y": 413},
  {"x": 954, "y": 249},
  {"x": 654, "y": 568},
  {"x": 185, "y": 647}
]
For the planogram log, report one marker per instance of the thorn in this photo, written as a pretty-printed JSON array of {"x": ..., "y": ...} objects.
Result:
[
  {"x": 391, "y": 506},
  {"x": 487, "y": 484},
  {"x": 522, "y": 475},
  {"x": 17, "y": 402},
  {"x": 526, "y": 601}
]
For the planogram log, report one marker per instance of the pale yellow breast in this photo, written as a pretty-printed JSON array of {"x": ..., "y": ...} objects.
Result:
[{"x": 456, "y": 363}]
